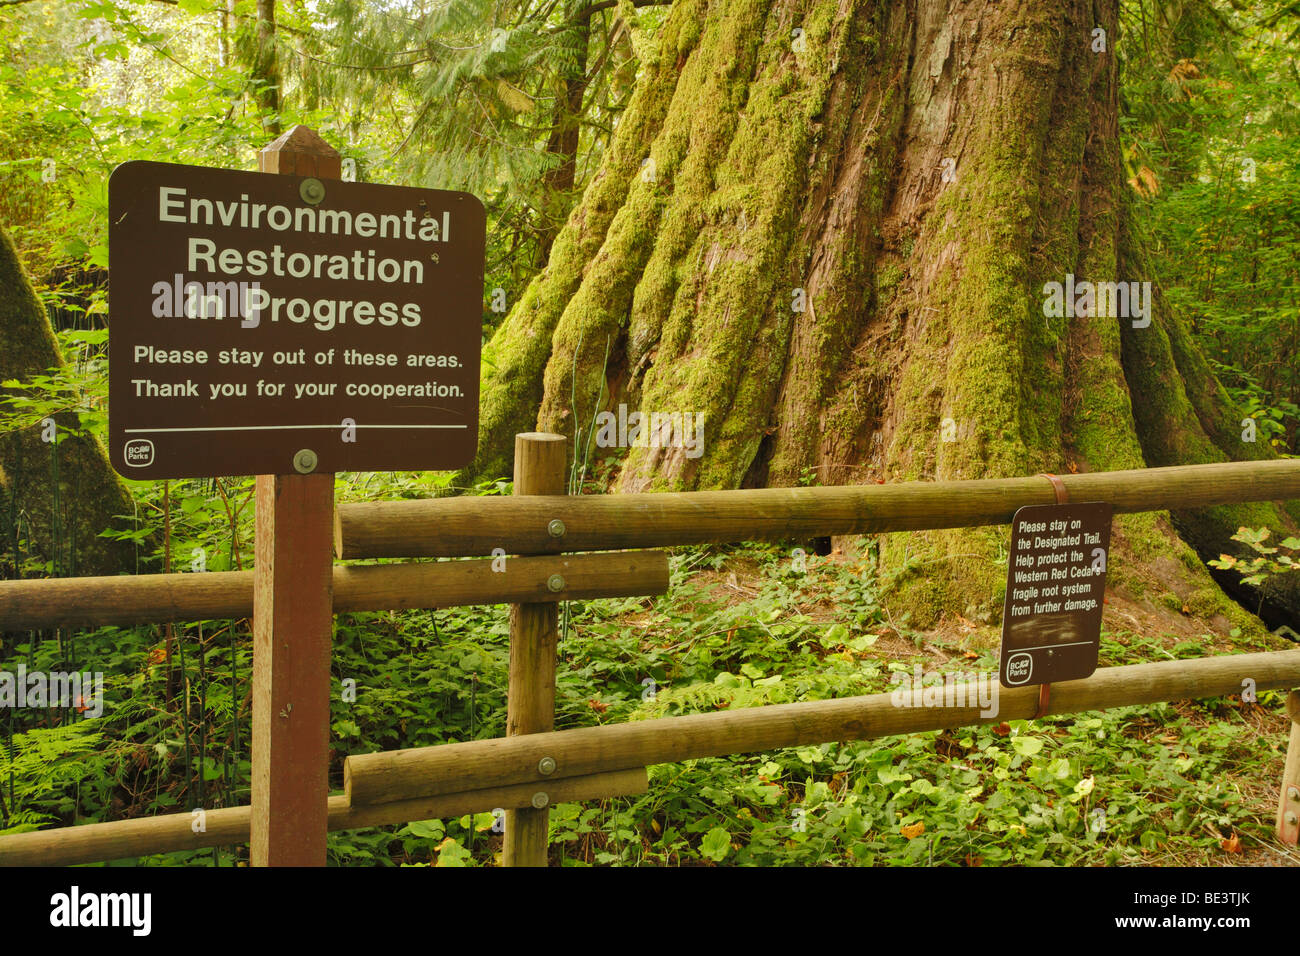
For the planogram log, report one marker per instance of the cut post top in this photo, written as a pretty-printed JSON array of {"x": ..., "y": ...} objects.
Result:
[{"x": 301, "y": 152}]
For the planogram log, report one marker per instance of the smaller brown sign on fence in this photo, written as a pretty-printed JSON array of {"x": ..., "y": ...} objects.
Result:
[{"x": 1056, "y": 584}]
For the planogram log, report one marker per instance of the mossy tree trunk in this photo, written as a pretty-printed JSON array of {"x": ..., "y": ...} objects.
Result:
[
  {"x": 55, "y": 496},
  {"x": 912, "y": 174}
]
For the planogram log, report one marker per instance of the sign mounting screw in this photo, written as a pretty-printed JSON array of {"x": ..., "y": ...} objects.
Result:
[
  {"x": 305, "y": 461},
  {"x": 555, "y": 583},
  {"x": 311, "y": 190}
]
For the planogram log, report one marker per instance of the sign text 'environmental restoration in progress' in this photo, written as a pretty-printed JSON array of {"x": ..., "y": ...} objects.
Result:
[{"x": 256, "y": 316}]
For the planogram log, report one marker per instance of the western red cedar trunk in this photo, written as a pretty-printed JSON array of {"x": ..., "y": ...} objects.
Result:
[{"x": 828, "y": 226}]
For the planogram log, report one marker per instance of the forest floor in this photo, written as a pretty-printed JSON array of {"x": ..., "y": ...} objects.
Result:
[
  {"x": 1184, "y": 783},
  {"x": 1134, "y": 630}
]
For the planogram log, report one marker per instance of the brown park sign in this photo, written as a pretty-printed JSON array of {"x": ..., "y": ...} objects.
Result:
[
  {"x": 267, "y": 324},
  {"x": 1056, "y": 585}
]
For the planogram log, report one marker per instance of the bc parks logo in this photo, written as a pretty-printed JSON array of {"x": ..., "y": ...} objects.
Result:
[
  {"x": 1019, "y": 668},
  {"x": 138, "y": 453}
]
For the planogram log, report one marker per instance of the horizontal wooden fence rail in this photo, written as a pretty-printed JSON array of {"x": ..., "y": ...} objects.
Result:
[
  {"x": 453, "y": 527},
  {"x": 376, "y": 778},
  {"x": 97, "y": 842},
  {"x": 155, "y": 598}
]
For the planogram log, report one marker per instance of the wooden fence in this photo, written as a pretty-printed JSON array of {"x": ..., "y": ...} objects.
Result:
[{"x": 534, "y": 766}]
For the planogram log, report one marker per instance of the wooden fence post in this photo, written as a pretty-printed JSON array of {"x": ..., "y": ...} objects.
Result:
[
  {"x": 540, "y": 459},
  {"x": 1288, "y": 803},
  {"x": 293, "y": 617}
]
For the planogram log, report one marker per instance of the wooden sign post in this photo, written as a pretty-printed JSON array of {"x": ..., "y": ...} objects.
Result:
[
  {"x": 291, "y": 326},
  {"x": 293, "y": 615}
]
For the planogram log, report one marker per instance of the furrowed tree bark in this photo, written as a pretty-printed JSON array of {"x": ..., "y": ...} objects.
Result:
[
  {"x": 829, "y": 227},
  {"x": 55, "y": 498}
]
